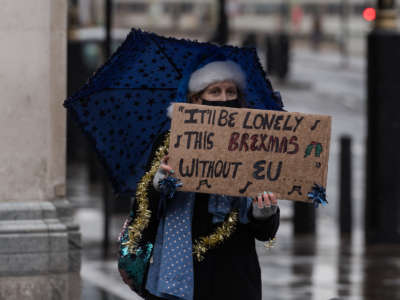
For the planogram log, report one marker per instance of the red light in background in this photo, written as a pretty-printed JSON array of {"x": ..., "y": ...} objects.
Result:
[{"x": 369, "y": 14}]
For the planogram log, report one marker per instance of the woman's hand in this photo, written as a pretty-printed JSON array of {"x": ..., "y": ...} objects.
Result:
[
  {"x": 163, "y": 171},
  {"x": 264, "y": 205},
  {"x": 167, "y": 169}
]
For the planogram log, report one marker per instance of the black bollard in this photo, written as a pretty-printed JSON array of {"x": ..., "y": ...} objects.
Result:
[
  {"x": 345, "y": 211},
  {"x": 284, "y": 55},
  {"x": 108, "y": 201},
  {"x": 250, "y": 40},
  {"x": 108, "y": 15},
  {"x": 382, "y": 210},
  {"x": 77, "y": 74},
  {"x": 95, "y": 168},
  {"x": 304, "y": 218},
  {"x": 270, "y": 55},
  {"x": 278, "y": 54},
  {"x": 221, "y": 34}
]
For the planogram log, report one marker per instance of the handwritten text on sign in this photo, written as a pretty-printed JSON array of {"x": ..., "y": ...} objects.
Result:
[{"x": 243, "y": 152}]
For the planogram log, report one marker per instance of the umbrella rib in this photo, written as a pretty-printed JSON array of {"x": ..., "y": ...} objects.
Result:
[{"x": 167, "y": 57}]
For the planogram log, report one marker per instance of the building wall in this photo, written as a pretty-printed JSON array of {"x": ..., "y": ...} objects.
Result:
[
  {"x": 39, "y": 243},
  {"x": 32, "y": 81}
]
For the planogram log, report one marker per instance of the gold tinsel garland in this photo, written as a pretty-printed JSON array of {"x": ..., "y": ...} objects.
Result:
[
  {"x": 205, "y": 243},
  {"x": 143, "y": 214}
]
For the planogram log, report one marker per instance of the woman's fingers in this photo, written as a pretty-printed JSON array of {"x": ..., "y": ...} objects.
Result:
[
  {"x": 260, "y": 201},
  {"x": 274, "y": 200},
  {"x": 165, "y": 159},
  {"x": 267, "y": 201},
  {"x": 164, "y": 165},
  {"x": 166, "y": 168}
]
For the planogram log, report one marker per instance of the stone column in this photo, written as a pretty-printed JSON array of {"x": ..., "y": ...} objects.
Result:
[{"x": 39, "y": 243}]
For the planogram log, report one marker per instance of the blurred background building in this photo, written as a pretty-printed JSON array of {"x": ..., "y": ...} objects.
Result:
[{"x": 336, "y": 19}]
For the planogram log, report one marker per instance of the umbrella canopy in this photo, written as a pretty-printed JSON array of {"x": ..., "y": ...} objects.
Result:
[{"x": 122, "y": 108}]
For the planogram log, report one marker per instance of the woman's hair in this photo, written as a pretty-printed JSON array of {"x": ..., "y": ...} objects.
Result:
[{"x": 241, "y": 99}]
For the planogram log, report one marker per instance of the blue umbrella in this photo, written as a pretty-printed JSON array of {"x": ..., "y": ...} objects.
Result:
[{"x": 122, "y": 108}]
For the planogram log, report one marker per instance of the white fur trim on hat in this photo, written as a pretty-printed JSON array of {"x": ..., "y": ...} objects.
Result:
[
  {"x": 214, "y": 72},
  {"x": 170, "y": 109}
]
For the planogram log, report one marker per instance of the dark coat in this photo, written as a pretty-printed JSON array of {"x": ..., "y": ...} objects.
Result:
[{"x": 230, "y": 271}]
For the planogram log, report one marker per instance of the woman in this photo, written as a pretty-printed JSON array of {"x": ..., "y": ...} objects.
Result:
[{"x": 219, "y": 230}]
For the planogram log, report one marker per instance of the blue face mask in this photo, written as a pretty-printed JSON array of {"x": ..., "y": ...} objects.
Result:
[{"x": 230, "y": 103}]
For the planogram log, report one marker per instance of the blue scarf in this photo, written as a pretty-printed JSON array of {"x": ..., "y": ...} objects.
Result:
[{"x": 170, "y": 275}]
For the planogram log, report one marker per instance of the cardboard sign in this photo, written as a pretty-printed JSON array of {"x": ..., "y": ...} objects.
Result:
[{"x": 243, "y": 152}]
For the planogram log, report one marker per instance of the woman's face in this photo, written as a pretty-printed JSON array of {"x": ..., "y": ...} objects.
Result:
[{"x": 218, "y": 92}]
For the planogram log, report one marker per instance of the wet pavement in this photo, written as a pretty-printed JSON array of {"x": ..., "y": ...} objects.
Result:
[
  {"x": 321, "y": 267},
  {"x": 93, "y": 291}
]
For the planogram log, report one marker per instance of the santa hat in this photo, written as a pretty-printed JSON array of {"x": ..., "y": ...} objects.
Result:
[{"x": 214, "y": 72}]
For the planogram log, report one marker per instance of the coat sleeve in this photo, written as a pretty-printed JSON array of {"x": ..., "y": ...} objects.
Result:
[{"x": 264, "y": 230}]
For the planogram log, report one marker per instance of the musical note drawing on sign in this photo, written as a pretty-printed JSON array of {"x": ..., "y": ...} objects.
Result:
[
  {"x": 178, "y": 139},
  {"x": 315, "y": 124},
  {"x": 296, "y": 188},
  {"x": 203, "y": 182},
  {"x": 244, "y": 189}
]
